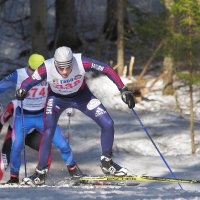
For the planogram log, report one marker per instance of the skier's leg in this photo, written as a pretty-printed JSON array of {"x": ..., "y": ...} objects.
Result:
[
  {"x": 94, "y": 109},
  {"x": 62, "y": 144},
  {"x": 5, "y": 153}
]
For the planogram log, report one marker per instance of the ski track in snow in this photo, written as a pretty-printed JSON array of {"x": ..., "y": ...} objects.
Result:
[{"x": 85, "y": 144}]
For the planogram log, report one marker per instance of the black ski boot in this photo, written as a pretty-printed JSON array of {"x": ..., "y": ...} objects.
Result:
[
  {"x": 13, "y": 180},
  {"x": 111, "y": 168},
  {"x": 38, "y": 178},
  {"x": 74, "y": 171}
]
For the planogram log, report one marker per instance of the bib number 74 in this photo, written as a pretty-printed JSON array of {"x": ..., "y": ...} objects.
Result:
[{"x": 33, "y": 92}]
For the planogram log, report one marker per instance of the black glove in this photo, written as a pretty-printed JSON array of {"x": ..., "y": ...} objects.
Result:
[
  {"x": 1, "y": 126},
  {"x": 21, "y": 94},
  {"x": 127, "y": 97}
]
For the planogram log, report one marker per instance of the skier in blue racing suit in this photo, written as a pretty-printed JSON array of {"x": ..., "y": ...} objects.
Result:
[{"x": 32, "y": 139}]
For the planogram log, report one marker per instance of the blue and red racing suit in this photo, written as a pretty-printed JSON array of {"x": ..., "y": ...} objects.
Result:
[
  {"x": 33, "y": 119},
  {"x": 32, "y": 139},
  {"x": 73, "y": 92}
]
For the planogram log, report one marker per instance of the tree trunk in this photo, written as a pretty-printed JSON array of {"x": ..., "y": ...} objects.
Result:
[
  {"x": 110, "y": 26},
  {"x": 168, "y": 63},
  {"x": 190, "y": 64},
  {"x": 66, "y": 34},
  {"x": 192, "y": 133},
  {"x": 39, "y": 26},
  {"x": 120, "y": 36}
]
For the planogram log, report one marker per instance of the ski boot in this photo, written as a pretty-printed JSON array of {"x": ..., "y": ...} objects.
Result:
[
  {"x": 38, "y": 178},
  {"x": 74, "y": 171},
  {"x": 111, "y": 168},
  {"x": 14, "y": 180}
]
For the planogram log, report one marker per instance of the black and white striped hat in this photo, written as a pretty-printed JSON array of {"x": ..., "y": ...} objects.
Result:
[{"x": 63, "y": 57}]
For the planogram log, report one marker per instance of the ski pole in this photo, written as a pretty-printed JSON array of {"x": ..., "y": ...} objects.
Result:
[
  {"x": 23, "y": 135},
  {"x": 69, "y": 112},
  {"x": 68, "y": 134},
  {"x": 164, "y": 160}
]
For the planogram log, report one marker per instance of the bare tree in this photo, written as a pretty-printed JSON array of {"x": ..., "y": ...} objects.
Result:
[
  {"x": 110, "y": 26},
  {"x": 120, "y": 35},
  {"x": 66, "y": 33},
  {"x": 115, "y": 27},
  {"x": 39, "y": 26},
  {"x": 190, "y": 55}
]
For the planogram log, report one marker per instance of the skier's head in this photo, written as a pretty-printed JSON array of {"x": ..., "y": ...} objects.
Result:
[
  {"x": 35, "y": 60},
  {"x": 63, "y": 57},
  {"x": 63, "y": 60}
]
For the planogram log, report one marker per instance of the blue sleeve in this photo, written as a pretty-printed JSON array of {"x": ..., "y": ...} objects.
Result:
[{"x": 9, "y": 82}]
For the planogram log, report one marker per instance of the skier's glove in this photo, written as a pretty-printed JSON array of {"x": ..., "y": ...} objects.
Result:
[
  {"x": 1, "y": 126},
  {"x": 127, "y": 97},
  {"x": 21, "y": 94}
]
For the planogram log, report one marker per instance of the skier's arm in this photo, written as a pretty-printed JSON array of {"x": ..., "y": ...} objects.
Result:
[
  {"x": 8, "y": 82},
  {"x": 37, "y": 77},
  {"x": 94, "y": 65}
]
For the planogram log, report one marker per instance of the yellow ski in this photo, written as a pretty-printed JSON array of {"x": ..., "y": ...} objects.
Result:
[{"x": 136, "y": 178}]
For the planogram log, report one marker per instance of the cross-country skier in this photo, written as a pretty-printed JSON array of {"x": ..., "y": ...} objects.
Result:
[
  {"x": 33, "y": 111},
  {"x": 65, "y": 76}
]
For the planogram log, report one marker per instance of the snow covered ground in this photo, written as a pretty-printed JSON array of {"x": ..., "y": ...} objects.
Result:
[{"x": 132, "y": 149}]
